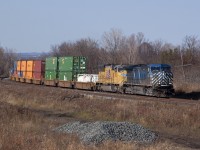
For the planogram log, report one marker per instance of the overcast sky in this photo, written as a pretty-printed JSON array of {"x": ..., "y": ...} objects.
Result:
[{"x": 35, "y": 25}]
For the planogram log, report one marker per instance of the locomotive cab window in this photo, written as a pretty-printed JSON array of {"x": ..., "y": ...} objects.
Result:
[
  {"x": 167, "y": 69},
  {"x": 155, "y": 68}
]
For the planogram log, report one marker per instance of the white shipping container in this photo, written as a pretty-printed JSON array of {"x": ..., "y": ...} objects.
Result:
[{"x": 87, "y": 78}]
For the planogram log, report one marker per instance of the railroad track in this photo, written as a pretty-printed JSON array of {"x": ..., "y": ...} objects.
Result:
[
  {"x": 1, "y": 78},
  {"x": 116, "y": 96}
]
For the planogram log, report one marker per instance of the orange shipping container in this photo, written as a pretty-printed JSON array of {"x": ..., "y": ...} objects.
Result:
[
  {"x": 29, "y": 65},
  {"x": 23, "y": 68},
  {"x": 29, "y": 75},
  {"x": 18, "y": 65},
  {"x": 23, "y": 65},
  {"x": 29, "y": 69}
]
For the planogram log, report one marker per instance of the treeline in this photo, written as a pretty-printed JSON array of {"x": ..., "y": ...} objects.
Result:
[
  {"x": 116, "y": 48},
  {"x": 7, "y": 58}
]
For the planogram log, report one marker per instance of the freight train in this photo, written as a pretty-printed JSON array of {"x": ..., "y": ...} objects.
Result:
[{"x": 143, "y": 79}]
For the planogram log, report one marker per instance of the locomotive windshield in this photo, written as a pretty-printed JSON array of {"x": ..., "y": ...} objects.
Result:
[
  {"x": 155, "y": 68},
  {"x": 158, "y": 68},
  {"x": 167, "y": 69}
]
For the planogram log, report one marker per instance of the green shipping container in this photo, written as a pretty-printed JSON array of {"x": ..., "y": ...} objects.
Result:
[
  {"x": 50, "y": 75},
  {"x": 82, "y": 62},
  {"x": 68, "y": 75},
  {"x": 51, "y": 64},
  {"x": 65, "y": 76},
  {"x": 72, "y": 63}
]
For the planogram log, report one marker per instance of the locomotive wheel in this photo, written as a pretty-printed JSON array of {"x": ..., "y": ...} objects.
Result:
[
  {"x": 121, "y": 90},
  {"x": 94, "y": 88}
]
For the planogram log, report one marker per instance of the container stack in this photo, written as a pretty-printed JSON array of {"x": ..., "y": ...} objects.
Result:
[
  {"x": 29, "y": 69},
  {"x": 70, "y": 67},
  {"x": 23, "y": 68},
  {"x": 19, "y": 73},
  {"x": 64, "y": 68},
  {"x": 51, "y": 68},
  {"x": 38, "y": 69}
]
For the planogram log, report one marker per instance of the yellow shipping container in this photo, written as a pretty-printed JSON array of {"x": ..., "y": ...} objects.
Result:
[
  {"x": 29, "y": 69},
  {"x": 18, "y": 65}
]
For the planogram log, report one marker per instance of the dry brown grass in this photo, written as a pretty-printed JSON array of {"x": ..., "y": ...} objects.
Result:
[
  {"x": 22, "y": 128},
  {"x": 25, "y": 130},
  {"x": 187, "y": 87}
]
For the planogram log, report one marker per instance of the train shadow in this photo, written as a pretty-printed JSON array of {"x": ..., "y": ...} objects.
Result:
[{"x": 191, "y": 96}]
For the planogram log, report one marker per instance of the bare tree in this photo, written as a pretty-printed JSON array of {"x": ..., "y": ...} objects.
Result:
[
  {"x": 190, "y": 46},
  {"x": 132, "y": 49},
  {"x": 140, "y": 38},
  {"x": 146, "y": 53},
  {"x": 1, "y": 61},
  {"x": 7, "y": 58},
  {"x": 113, "y": 42},
  {"x": 190, "y": 42},
  {"x": 190, "y": 54},
  {"x": 54, "y": 50}
]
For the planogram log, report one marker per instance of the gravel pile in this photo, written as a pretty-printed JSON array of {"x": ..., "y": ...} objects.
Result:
[{"x": 97, "y": 132}]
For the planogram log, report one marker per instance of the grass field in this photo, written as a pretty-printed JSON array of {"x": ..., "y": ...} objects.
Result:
[{"x": 27, "y": 120}]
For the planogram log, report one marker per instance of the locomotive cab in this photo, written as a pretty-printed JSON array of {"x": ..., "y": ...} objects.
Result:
[
  {"x": 160, "y": 75},
  {"x": 161, "y": 79}
]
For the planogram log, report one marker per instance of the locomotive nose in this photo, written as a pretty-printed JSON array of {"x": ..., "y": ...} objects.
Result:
[{"x": 162, "y": 78}]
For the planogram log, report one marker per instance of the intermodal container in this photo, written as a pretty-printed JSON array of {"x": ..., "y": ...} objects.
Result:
[
  {"x": 68, "y": 63},
  {"x": 51, "y": 64},
  {"x": 87, "y": 78},
  {"x": 50, "y": 75},
  {"x": 38, "y": 69},
  {"x": 82, "y": 62},
  {"x": 72, "y": 63},
  {"x": 69, "y": 75},
  {"x": 23, "y": 68},
  {"x": 66, "y": 76},
  {"x": 65, "y": 63},
  {"x": 18, "y": 65},
  {"x": 29, "y": 69},
  {"x": 23, "y": 65},
  {"x": 29, "y": 65}
]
